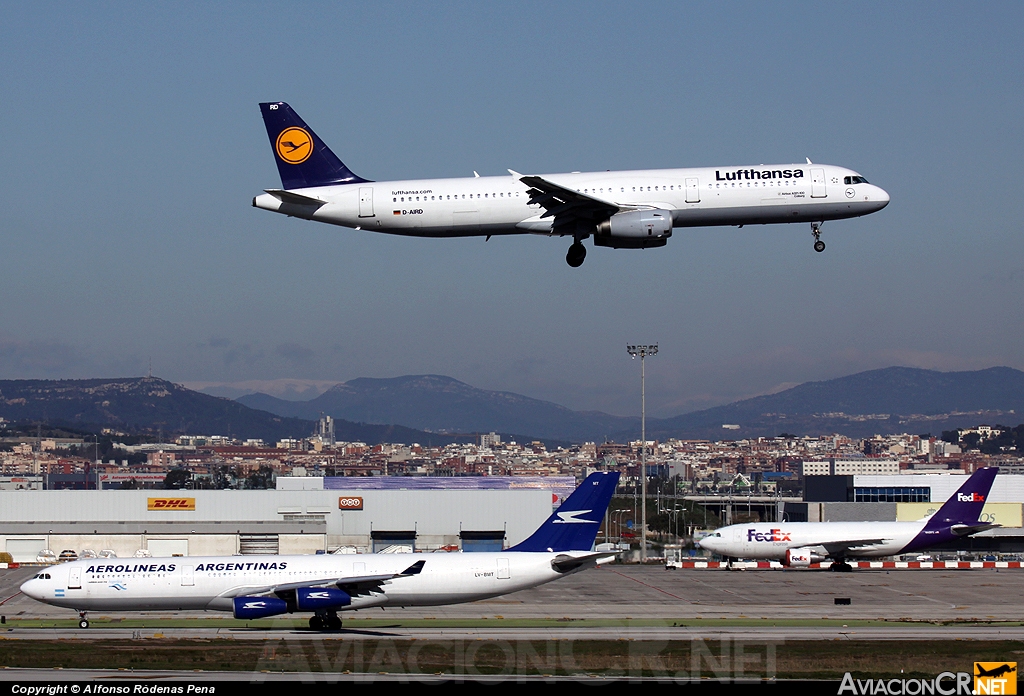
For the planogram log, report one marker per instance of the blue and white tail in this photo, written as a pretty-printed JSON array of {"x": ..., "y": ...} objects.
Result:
[
  {"x": 303, "y": 160},
  {"x": 574, "y": 525}
]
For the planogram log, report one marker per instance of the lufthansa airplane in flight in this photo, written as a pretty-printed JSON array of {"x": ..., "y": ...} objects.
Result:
[
  {"x": 798, "y": 544},
  {"x": 623, "y": 210},
  {"x": 253, "y": 587}
]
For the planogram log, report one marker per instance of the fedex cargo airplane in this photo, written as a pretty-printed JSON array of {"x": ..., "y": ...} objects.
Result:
[
  {"x": 622, "y": 210},
  {"x": 252, "y": 587},
  {"x": 798, "y": 544}
]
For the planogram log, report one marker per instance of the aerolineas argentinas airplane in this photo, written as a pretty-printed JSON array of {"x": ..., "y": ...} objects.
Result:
[
  {"x": 253, "y": 587},
  {"x": 798, "y": 544},
  {"x": 622, "y": 210}
]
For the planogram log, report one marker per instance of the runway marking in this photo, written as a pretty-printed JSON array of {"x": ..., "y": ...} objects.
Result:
[
  {"x": 10, "y": 598},
  {"x": 645, "y": 584}
]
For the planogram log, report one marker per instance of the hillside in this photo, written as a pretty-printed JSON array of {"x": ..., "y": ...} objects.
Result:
[
  {"x": 156, "y": 406},
  {"x": 885, "y": 401},
  {"x": 443, "y": 404}
]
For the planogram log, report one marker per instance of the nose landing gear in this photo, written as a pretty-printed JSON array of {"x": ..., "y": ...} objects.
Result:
[
  {"x": 819, "y": 246},
  {"x": 576, "y": 255},
  {"x": 82, "y": 621}
]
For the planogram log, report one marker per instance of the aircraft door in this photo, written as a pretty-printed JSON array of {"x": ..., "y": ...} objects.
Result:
[
  {"x": 75, "y": 579},
  {"x": 366, "y": 201},
  {"x": 504, "y": 573},
  {"x": 692, "y": 191},
  {"x": 818, "y": 183},
  {"x": 188, "y": 576}
]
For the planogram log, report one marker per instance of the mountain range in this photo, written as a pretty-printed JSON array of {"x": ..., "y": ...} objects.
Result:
[
  {"x": 433, "y": 409},
  {"x": 155, "y": 406},
  {"x": 885, "y": 401},
  {"x": 443, "y": 404}
]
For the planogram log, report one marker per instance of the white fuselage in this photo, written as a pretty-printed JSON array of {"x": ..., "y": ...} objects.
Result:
[
  {"x": 771, "y": 540},
  {"x": 746, "y": 195},
  {"x": 201, "y": 583}
]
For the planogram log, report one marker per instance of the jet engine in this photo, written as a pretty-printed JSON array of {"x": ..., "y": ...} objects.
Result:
[
  {"x": 258, "y": 607},
  {"x": 801, "y": 558},
  {"x": 321, "y": 598},
  {"x": 637, "y": 229}
]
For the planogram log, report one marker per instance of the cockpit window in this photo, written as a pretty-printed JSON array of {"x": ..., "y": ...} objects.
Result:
[{"x": 854, "y": 180}]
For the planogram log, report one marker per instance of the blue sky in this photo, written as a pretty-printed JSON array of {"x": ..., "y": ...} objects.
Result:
[{"x": 134, "y": 146}]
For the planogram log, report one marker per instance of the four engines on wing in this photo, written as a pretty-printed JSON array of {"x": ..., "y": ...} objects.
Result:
[
  {"x": 637, "y": 229},
  {"x": 315, "y": 599}
]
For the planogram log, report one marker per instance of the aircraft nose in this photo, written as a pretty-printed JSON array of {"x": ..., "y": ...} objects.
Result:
[
  {"x": 882, "y": 196},
  {"x": 30, "y": 588}
]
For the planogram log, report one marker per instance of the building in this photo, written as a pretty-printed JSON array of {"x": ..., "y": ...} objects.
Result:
[{"x": 204, "y": 523}]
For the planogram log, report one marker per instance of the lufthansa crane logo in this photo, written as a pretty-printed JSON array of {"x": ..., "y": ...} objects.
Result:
[{"x": 294, "y": 145}]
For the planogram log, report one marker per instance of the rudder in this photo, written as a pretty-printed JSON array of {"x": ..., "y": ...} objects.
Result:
[
  {"x": 303, "y": 160},
  {"x": 574, "y": 525},
  {"x": 965, "y": 506}
]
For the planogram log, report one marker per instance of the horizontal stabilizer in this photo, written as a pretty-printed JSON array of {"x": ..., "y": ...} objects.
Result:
[
  {"x": 294, "y": 198},
  {"x": 564, "y": 564},
  {"x": 965, "y": 529}
]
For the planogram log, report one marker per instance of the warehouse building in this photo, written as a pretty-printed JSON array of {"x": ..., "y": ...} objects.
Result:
[{"x": 317, "y": 520}]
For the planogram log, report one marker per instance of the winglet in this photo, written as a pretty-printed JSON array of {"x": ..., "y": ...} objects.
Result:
[{"x": 414, "y": 569}]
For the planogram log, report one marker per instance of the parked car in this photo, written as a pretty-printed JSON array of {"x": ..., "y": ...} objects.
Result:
[{"x": 67, "y": 555}]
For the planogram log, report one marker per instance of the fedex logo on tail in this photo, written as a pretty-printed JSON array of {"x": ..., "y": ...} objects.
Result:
[
  {"x": 970, "y": 498},
  {"x": 770, "y": 535}
]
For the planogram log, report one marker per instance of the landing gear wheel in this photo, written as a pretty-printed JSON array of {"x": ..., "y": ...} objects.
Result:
[
  {"x": 333, "y": 623},
  {"x": 576, "y": 255},
  {"x": 316, "y": 623},
  {"x": 842, "y": 567},
  {"x": 819, "y": 246},
  {"x": 84, "y": 623}
]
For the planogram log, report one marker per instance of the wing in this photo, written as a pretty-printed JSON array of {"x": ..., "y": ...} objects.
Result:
[
  {"x": 573, "y": 212},
  {"x": 354, "y": 586},
  {"x": 850, "y": 547}
]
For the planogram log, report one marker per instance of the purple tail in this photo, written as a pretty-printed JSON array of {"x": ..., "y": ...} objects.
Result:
[{"x": 964, "y": 506}]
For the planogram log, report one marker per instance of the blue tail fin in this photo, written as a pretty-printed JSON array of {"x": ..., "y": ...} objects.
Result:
[
  {"x": 574, "y": 525},
  {"x": 302, "y": 158},
  {"x": 964, "y": 506}
]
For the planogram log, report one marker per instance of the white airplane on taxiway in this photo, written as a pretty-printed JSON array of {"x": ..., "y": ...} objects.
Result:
[{"x": 253, "y": 587}]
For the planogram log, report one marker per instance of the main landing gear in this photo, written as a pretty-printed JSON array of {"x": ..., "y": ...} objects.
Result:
[
  {"x": 841, "y": 567},
  {"x": 82, "y": 621},
  {"x": 819, "y": 246},
  {"x": 325, "y": 622},
  {"x": 576, "y": 255}
]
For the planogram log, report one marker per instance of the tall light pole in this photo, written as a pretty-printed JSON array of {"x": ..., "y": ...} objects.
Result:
[{"x": 643, "y": 352}]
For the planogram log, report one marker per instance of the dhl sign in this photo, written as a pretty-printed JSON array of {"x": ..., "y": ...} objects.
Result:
[
  {"x": 350, "y": 502},
  {"x": 172, "y": 503}
]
